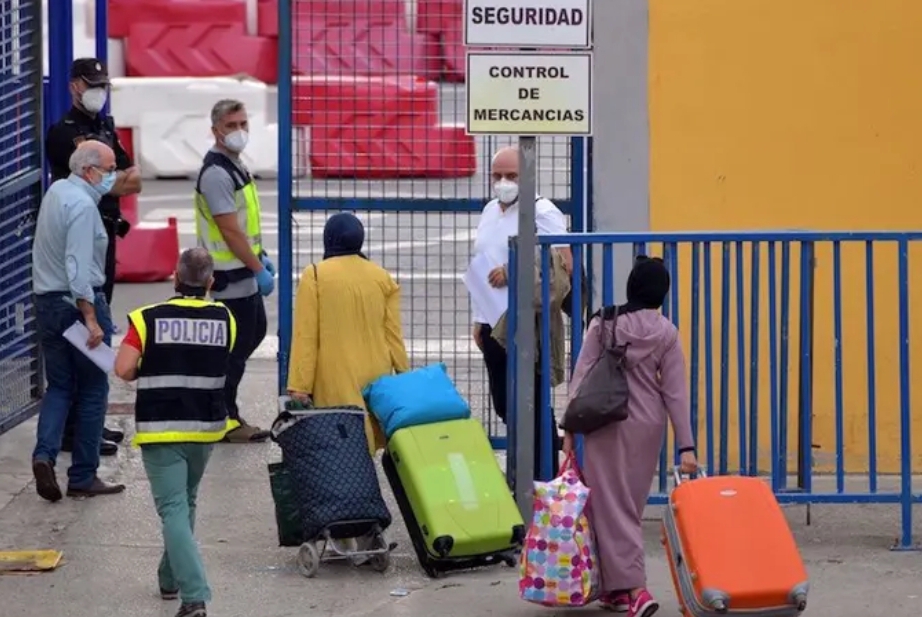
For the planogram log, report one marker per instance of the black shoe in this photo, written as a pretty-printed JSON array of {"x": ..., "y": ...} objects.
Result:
[
  {"x": 106, "y": 448},
  {"x": 46, "y": 483},
  {"x": 98, "y": 487},
  {"x": 193, "y": 609},
  {"x": 109, "y": 434}
]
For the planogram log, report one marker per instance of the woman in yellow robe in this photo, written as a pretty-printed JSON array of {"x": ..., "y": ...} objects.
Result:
[{"x": 347, "y": 330}]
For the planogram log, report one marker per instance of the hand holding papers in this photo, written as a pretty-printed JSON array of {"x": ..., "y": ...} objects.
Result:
[{"x": 102, "y": 355}]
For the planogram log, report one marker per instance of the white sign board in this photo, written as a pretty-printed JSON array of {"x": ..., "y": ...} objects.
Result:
[
  {"x": 529, "y": 93},
  {"x": 528, "y": 23}
]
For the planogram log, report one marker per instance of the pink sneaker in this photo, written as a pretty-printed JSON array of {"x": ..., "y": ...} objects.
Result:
[
  {"x": 642, "y": 605},
  {"x": 616, "y": 602}
]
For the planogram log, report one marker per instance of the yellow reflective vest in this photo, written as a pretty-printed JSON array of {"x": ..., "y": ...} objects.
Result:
[
  {"x": 248, "y": 214},
  {"x": 185, "y": 347}
]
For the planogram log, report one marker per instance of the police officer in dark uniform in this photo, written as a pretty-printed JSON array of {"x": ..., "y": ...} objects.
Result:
[{"x": 89, "y": 89}]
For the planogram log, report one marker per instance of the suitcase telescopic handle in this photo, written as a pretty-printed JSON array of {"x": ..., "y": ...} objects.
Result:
[{"x": 677, "y": 475}]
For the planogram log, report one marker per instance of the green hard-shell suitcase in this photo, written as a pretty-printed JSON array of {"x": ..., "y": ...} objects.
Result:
[{"x": 453, "y": 496}]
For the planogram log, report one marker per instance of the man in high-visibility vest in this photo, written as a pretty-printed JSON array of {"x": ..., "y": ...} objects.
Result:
[
  {"x": 227, "y": 222},
  {"x": 178, "y": 352}
]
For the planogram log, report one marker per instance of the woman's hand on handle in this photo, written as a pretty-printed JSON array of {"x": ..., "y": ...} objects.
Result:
[
  {"x": 569, "y": 444},
  {"x": 688, "y": 463},
  {"x": 300, "y": 397}
]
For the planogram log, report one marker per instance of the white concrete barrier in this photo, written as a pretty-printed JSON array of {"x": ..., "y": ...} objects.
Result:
[
  {"x": 170, "y": 119},
  {"x": 171, "y": 144},
  {"x": 134, "y": 96}
]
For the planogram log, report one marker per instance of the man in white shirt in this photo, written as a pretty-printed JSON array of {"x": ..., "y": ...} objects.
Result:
[{"x": 498, "y": 222}]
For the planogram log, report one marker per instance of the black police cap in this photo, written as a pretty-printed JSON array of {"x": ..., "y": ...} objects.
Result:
[{"x": 90, "y": 70}]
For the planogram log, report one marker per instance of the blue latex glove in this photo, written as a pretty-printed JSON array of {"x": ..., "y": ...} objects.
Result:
[
  {"x": 265, "y": 281},
  {"x": 267, "y": 264}
]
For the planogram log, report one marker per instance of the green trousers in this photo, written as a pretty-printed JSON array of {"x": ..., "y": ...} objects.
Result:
[{"x": 174, "y": 472}]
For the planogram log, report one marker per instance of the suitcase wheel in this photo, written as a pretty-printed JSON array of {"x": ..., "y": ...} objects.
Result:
[
  {"x": 381, "y": 562},
  {"x": 308, "y": 559},
  {"x": 510, "y": 560},
  {"x": 518, "y": 535},
  {"x": 443, "y": 545}
]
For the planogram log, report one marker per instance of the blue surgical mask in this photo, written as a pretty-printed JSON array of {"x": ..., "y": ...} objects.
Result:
[{"x": 105, "y": 185}]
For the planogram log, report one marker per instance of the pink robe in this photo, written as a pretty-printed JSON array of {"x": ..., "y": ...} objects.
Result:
[{"x": 620, "y": 459}]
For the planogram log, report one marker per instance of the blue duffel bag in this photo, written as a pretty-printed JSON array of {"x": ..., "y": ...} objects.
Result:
[{"x": 421, "y": 396}]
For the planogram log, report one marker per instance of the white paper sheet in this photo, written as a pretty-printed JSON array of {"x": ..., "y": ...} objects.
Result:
[
  {"x": 102, "y": 355},
  {"x": 488, "y": 300}
]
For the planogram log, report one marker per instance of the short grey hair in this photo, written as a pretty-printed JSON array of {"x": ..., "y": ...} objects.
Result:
[
  {"x": 83, "y": 158},
  {"x": 225, "y": 107},
  {"x": 196, "y": 266}
]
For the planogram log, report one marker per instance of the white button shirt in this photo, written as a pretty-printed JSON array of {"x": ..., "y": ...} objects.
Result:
[{"x": 496, "y": 226}]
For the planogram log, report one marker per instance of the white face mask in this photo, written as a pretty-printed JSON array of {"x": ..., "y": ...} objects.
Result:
[
  {"x": 506, "y": 191},
  {"x": 236, "y": 141},
  {"x": 94, "y": 99}
]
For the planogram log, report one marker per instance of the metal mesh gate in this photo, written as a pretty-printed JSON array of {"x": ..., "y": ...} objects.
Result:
[
  {"x": 367, "y": 129},
  {"x": 20, "y": 193}
]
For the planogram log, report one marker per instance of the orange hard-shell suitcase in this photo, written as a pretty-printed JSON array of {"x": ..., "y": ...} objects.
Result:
[{"x": 731, "y": 550}]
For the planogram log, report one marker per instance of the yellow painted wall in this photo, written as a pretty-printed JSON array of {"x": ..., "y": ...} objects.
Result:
[{"x": 773, "y": 114}]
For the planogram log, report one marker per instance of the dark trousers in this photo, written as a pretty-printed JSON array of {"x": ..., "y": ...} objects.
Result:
[
  {"x": 496, "y": 360},
  {"x": 250, "y": 314},
  {"x": 75, "y": 389},
  {"x": 107, "y": 288}
]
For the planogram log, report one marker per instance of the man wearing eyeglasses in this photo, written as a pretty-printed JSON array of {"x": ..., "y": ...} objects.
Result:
[
  {"x": 68, "y": 273},
  {"x": 86, "y": 120}
]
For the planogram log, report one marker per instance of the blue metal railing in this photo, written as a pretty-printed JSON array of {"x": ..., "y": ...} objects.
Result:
[{"x": 821, "y": 294}]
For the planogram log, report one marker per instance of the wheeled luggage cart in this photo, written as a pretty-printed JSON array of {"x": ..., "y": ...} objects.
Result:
[{"x": 332, "y": 493}]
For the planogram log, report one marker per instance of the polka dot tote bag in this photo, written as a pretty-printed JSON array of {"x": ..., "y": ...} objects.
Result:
[{"x": 558, "y": 565}]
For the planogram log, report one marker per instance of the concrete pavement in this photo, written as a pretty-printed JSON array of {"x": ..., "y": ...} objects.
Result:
[{"x": 111, "y": 546}]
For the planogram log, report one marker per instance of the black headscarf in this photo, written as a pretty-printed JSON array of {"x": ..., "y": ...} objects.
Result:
[
  {"x": 647, "y": 285},
  {"x": 343, "y": 234}
]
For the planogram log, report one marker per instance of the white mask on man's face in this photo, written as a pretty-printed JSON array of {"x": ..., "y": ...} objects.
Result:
[
  {"x": 506, "y": 191},
  {"x": 94, "y": 99},
  {"x": 236, "y": 141}
]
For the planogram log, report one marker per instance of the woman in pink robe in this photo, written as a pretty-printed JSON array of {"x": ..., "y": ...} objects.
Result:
[{"x": 620, "y": 459}]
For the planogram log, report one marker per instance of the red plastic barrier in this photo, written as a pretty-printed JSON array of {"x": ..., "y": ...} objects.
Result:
[
  {"x": 454, "y": 67},
  {"x": 199, "y": 50},
  {"x": 399, "y": 151},
  {"x": 148, "y": 254},
  {"x": 429, "y": 64},
  {"x": 129, "y": 203},
  {"x": 125, "y": 13},
  {"x": 333, "y": 101},
  {"x": 267, "y": 18},
  {"x": 126, "y": 139},
  {"x": 306, "y": 11},
  {"x": 439, "y": 16},
  {"x": 355, "y": 47}
]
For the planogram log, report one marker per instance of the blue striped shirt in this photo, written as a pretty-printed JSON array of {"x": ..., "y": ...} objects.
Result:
[{"x": 69, "y": 252}]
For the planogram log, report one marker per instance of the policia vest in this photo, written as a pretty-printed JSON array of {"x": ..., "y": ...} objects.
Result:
[
  {"x": 186, "y": 343},
  {"x": 228, "y": 269}
]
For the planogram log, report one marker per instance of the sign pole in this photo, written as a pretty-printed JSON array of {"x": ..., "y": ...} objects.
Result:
[
  {"x": 513, "y": 89},
  {"x": 525, "y": 339}
]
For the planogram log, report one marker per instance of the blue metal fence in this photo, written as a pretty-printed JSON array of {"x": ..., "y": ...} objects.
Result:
[
  {"x": 799, "y": 350},
  {"x": 20, "y": 193}
]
